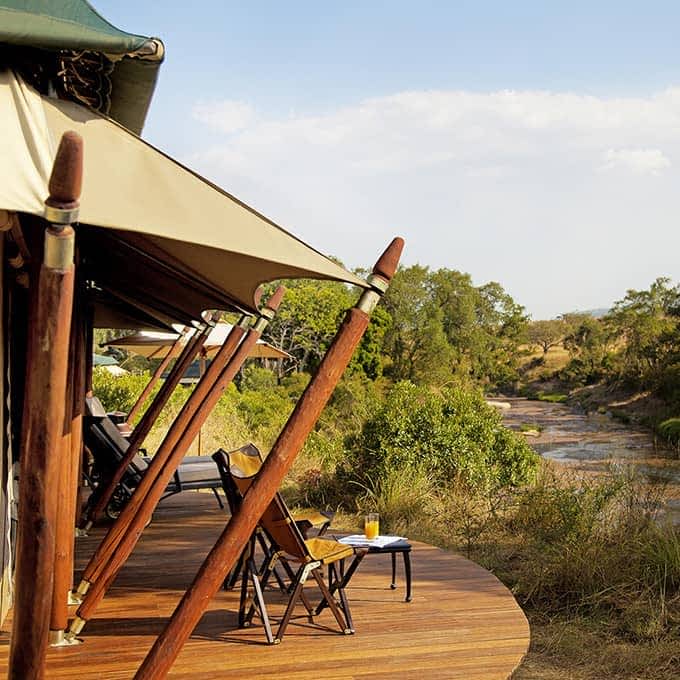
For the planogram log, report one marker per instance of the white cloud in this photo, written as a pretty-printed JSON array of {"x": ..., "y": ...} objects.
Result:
[
  {"x": 507, "y": 185},
  {"x": 226, "y": 116},
  {"x": 641, "y": 161}
]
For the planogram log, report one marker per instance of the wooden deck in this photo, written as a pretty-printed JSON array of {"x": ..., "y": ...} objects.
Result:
[{"x": 462, "y": 622}]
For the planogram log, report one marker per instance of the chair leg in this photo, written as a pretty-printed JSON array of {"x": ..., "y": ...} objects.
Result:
[
  {"x": 344, "y": 623},
  {"x": 217, "y": 496},
  {"x": 263, "y": 575},
  {"x": 302, "y": 574},
  {"x": 258, "y": 600},
  {"x": 339, "y": 581}
]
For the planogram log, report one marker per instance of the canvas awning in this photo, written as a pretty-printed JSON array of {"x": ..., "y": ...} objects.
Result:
[
  {"x": 40, "y": 33},
  {"x": 154, "y": 345},
  {"x": 151, "y": 230}
]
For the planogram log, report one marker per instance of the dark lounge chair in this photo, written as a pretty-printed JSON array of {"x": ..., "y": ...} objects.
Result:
[
  {"x": 310, "y": 556},
  {"x": 107, "y": 447}
]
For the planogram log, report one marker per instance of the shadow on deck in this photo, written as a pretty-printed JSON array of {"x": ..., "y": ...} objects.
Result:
[{"x": 462, "y": 622}]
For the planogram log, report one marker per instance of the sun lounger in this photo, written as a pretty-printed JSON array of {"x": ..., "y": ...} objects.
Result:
[{"x": 107, "y": 447}]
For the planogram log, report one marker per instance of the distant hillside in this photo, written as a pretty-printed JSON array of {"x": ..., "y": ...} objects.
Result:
[{"x": 597, "y": 313}]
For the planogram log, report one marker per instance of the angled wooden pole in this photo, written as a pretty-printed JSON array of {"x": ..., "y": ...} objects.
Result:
[
  {"x": 104, "y": 550},
  {"x": 150, "y": 416},
  {"x": 67, "y": 491},
  {"x": 43, "y": 417},
  {"x": 173, "y": 352},
  {"x": 230, "y": 544},
  {"x": 225, "y": 365}
]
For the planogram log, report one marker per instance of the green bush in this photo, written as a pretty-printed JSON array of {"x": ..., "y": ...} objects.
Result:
[
  {"x": 670, "y": 429},
  {"x": 452, "y": 435},
  {"x": 118, "y": 392}
]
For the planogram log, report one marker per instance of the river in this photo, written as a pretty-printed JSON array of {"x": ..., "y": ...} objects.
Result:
[{"x": 594, "y": 442}]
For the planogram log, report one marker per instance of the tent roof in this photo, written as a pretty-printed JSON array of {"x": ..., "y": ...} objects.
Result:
[
  {"x": 151, "y": 230},
  {"x": 49, "y": 29},
  {"x": 155, "y": 345}
]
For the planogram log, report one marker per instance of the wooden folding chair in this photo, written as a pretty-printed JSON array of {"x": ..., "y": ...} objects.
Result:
[{"x": 289, "y": 545}]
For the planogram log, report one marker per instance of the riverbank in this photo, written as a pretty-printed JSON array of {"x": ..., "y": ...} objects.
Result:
[
  {"x": 578, "y": 549},
  {"x": 596, "y": 442}
]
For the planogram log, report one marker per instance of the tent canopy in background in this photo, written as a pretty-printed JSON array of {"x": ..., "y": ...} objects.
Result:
[{"x": 156, "y": 345}]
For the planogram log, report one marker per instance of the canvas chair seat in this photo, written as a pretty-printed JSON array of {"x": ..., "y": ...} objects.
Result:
[{"x": 327, "y": 551}]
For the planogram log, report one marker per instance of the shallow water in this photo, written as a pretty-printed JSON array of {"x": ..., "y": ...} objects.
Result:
[{"x": 594, "y": 442}]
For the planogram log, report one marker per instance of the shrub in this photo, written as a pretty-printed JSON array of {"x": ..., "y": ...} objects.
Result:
[
  {"x": 453, "y": 435},
  {"x": 118, "y": 392},
  {"x": 670, "y": 429}
]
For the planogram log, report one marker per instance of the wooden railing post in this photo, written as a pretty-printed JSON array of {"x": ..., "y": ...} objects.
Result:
[
  {"x": 43, "y": 418},
  {"x": 150, "y": 416},
  {"x": 230, "y": 544},
  {"x": 121, "y": 540}
]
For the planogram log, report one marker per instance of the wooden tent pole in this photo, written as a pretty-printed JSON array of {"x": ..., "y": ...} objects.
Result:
[
  {"x": 230, "y": 544},
  {"x": 149, "y": 418},
  {"x": 67, "y": 491},
  {"x": 172, "y": 353},
  {"x": 43, "y": 418},
  {"x": 218, "y": 376}
]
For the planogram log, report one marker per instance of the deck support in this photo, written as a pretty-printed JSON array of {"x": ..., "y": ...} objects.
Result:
[
  {"x": 226, "y": 551},
  {"x": 123, "y": 536},
  {"x": 67, "y": 491},
  {"x": 150, "y": 416},
  {"x": 43, "y": 416}
]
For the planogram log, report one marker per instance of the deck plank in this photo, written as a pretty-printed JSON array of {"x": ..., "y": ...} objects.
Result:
[{"x": 462, "y": 622}]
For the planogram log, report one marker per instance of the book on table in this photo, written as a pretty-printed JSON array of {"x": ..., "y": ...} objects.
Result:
[{"x": 360, "y": 541}]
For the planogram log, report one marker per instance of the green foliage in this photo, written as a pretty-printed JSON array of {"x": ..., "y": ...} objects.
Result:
[
  {"x": 551, "y": 397},
  {"x": 670, "y": 430},
  {"x": 118, "y": 393},
  {"x": 547, "y": 333},
  {"x": 444, "y": 329},
  {"x": 308, "y": 319},
  {"x": 405, "y": 498},
  {"x": 452, "y": 435},
  {"x": 254, "y": 377}
]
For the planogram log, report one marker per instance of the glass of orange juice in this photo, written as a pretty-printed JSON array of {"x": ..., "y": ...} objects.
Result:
[{"x": 372, "y": 525}]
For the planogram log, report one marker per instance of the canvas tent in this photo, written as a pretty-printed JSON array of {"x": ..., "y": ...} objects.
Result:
[
  {"x": 83, "y": 55},
  {"x": 156, "y": 345},
  {"x": 153, "y": 244},
  {"x": 157, "y": 234}
]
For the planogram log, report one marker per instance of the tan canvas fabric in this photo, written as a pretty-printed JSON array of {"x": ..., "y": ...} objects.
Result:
[{"x": 158, "y": 209}]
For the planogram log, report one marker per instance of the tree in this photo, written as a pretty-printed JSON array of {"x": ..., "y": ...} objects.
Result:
[
  {"x": 647, "y": 322},
  {"x": 308, "y": 319},
  {"x": 415, "y": 340},
  {"x": 547, "y": 333}
]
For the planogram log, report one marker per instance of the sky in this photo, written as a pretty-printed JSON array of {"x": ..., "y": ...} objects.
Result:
[{"x": 536, "y": 144}]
